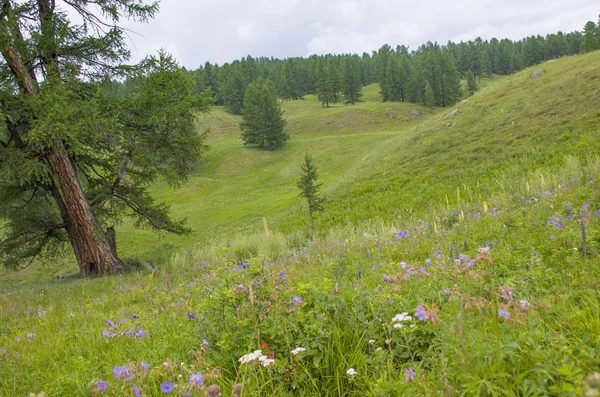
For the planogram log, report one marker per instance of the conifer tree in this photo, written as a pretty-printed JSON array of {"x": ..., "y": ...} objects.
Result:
[
  {"x": 262, "y": 123},
  {"x": 450, "y": 81},
  {"x": 328, "y": 82},
  {"x": 234, "y": 88},
  {"x": 351, "y": 85},
  {"x": 591, "y": 37},
  {"x": 429, "y": 95},
  {"x": 310, "y": 189},
  {"x": 74, "y": 159},
  {"x": 471, "y": 83}
]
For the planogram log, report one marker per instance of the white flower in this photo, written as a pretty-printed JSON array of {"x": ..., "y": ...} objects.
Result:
[
  {"x": 412, "y": 325},
  {"x": 251, "y": 357},
  {"x": 267, "y": 361},
  {"x": 371, "y": 341},
  {"x": 388, "y": 341},
  {"x": 378, "y": 349},
  {"x": 484, "y": 250},
  {"x": 524, "y": 304},
  {"x": 398, "y": 325},
  {"x": 298, "y": 350},
  {"x": 402, "y": 317},
  {"x": 351, "y": 372}
]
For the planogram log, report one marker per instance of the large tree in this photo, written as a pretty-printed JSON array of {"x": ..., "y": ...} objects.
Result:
[
  {"x": 75, "y": 157},
  {"x": 351, "y": 85},
  {"x": 263, "y": 121}
]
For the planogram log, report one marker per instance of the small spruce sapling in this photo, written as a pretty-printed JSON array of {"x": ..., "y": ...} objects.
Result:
[{"x": 309, "y": 188}]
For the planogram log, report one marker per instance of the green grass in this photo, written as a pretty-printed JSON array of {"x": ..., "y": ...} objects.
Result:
[{"x": 520, "y": 156}]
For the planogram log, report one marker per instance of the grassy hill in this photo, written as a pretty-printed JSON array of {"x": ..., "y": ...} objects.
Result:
[{"x": 411, "y": 200}]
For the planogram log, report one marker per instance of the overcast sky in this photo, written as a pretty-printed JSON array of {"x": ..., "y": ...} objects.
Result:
[{"x": 219, "y": 31}]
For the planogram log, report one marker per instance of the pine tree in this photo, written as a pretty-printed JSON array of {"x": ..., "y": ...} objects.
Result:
[
  {"x": 328, "y": 82},
  {"x": 450, "y": 81},
  {"x": 74, "y": 158},
  {"x": 471, "y": 83},
  {"x": 591, "y": 37},
  {"x": 351, "y": 85},
  {"x": 429, "y": 95},
  {"x": 262, "y": 123},
  {"x": 333, "y": 80},
  {"x": 310, "y": 188},
  {"x": 234, "y": 88}
]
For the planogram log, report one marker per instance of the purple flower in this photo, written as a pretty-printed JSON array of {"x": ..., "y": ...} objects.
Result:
[
  {"x": 102, "y": 385},
  {"x": 437, "y": 255},
  {"x": 18, "y": 339},
  {"x": 409, "y": 374},
  {"x": 205, "y": 342},
  {"x": 31, "y": 336},
  {"x": 597, "y": 212},
  {"x": 144, "y": 365},
  {"x": 387, "y": 278},
  {"x": 282, "y": 274},
  {"x": 107, "y": 334},
  {"x": 585, "y": 207},
  {"x": 421, "y": 314},
  {"x": 192, "y": 316},
  {"x": 471, "y": 264},
  {"x": 506, "y": 294},
  {"x": 297, "y": 300},
  {"x": 464, "y": 258},
  {"x": 123, "y": 373},
  {"x": 457, "y": 261},
  {"x": 134, "y": 316},
  {"x": 504, "y": 314},
  {"x": 552, "y": 237},
  {"x": 410, "y": 271},
  {"x": 136, "y": 391},
  {"x": 196, "y": 379},
  {"x": 129, "y": 332},
  {"x": 166, "y": 387},
  {"x": 140, "y": 333},
  {"x": 524, "y": 304},
  {"x": 446, "y": 291},
  {"x": 428, "y": 262},
  {"x": 403, "y": 265},
  {"x": 402, "y": 234},
  {"x": 3, "y": 350},
  {"x": 110, "y": 323},
  {"x": 422, "y": 270}
]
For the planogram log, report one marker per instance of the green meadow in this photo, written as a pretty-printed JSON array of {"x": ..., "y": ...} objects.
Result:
[{"x": 484, "y": 228}]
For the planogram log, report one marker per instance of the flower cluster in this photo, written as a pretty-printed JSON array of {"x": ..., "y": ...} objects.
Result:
[{"x": 256, "y": 355}]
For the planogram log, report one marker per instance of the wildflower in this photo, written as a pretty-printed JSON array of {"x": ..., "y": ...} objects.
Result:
[
  {"x": 504, "y": 314},
  {"x": 213, "y": 391},
  {"x": 585, "y": 207},
  {"x": 205, "y": 342},
  {"x": 144, "y": 365},
  {"x": 403, "y": 265},
  {"x": 3, "y": 350},
  {"x": 282, "y": 274},
  {"x": 192, "y": 316},
  {"x": 129, "y": 332},
  {"x": 409, "y": 374},
  {"x": 134, "y": 317},
  {"x": 410, "y": 271},
  {"x": 166, "y": 387},
  {"x": 524, "y": 304},
  {"x": 110, "y": 323},
  {"x": 18, "y": 339},
  {"x": 140, "y": 333},
  {"x": 266, "y": 361},
  {"x": 388, "y": 341},
  {"x": 552, "y": 237},
  {"x": 428, "y": 262},
  {"x": 387, "y": 278},
  {"x": 196, "y": 379},
  {"x": 371, "y": 341},
  {"x": 421, "y": 314},
  {"x": 597, "y": 212},
  {"x": 136, "y": 391},
  {"x": 297, "y": 350},
  {"x": 506, "y": 293},
  {"x": 250, "y": 357},
  {"x": 437, "y": 255},
  {"x": 31, "y": 336},
  {"x": 398, "y": 325},
  {"x": 446, "y": 291},
  {"x": 351, "y": 372},
  {"x": 464, "y": 258},
  {"x": 402, "y": 234},
  {"x": 422, "y": 270},
  {"x": 123, "y": 373},
  {"x": 398, "y": 318},
  {"x": 378, "y": 349},
  {"x": 107, "y": 334},
  {"x": 102, "y": 385},
  {"x": 297, "y": 301},
  {"x": 457, "y": 261}
]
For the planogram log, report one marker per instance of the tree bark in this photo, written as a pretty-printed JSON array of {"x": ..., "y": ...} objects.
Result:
[{"x": 92, "y": 247}]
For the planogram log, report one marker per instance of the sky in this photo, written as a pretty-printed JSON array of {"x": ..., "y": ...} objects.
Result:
[{"x": 219, "y": 31}]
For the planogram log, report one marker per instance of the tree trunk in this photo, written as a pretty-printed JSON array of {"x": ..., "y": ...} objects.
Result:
[{"x": 92, "y": 247}]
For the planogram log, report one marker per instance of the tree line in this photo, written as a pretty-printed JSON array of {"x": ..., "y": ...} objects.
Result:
[{"x": 429, "y": 75}]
